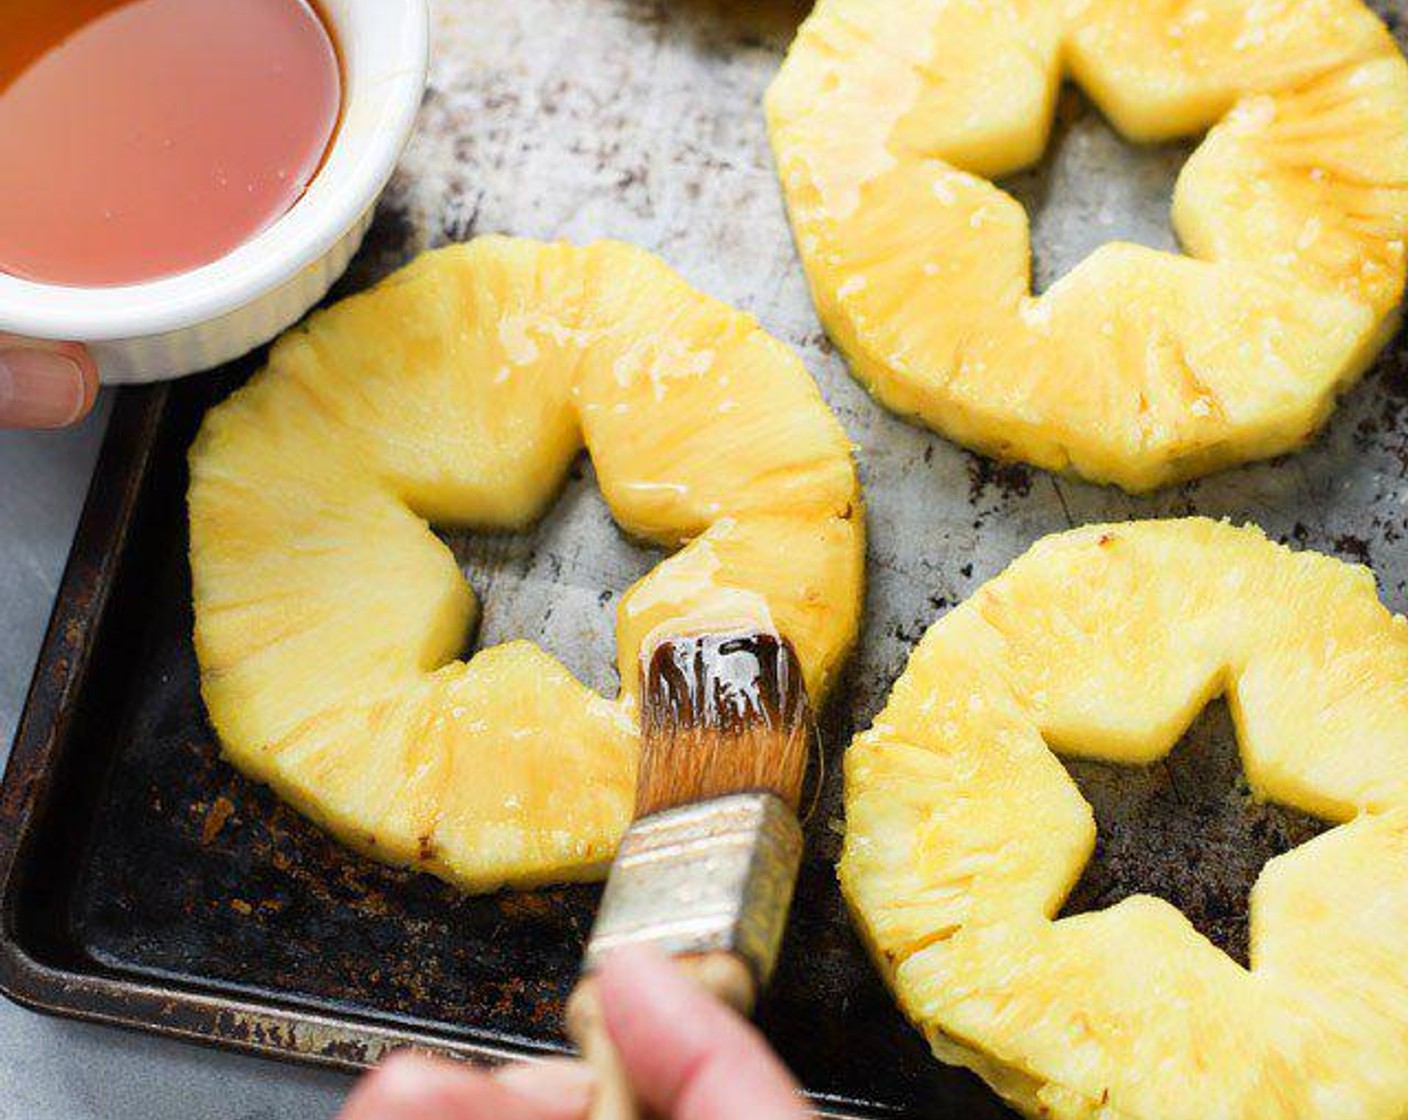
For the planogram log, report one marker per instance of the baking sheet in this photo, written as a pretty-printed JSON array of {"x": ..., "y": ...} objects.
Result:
[{"x": 151, "y": 884}]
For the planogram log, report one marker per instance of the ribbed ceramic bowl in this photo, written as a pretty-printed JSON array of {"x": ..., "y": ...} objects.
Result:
[{"x": 199, "y": 319}]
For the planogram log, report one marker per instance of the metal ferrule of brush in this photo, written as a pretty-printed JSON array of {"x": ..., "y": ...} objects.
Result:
[{"x": 715, "y": 875}]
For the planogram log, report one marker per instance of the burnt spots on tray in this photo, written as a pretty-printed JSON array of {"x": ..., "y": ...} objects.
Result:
[
  {"x": 1388, "y": 414},
  {"x": 1186, "y": 830},
  {"x": 1009, "y": 480},
  {"x": 1353, "y": 548}
]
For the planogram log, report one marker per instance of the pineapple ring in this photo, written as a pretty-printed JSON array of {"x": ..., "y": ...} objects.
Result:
[
  {"x": 1138, "y": 368},
  {"x": 328, "y": 617},
  {"x": 965, "y": 834}
]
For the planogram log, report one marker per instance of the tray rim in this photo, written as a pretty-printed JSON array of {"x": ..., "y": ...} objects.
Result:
[{"x": 184, "y": 1012}]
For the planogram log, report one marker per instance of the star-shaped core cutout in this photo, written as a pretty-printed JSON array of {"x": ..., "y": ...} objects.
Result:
[
  {"x": 1186, "y": 829},
  {"x": 1093, "y": 186}
]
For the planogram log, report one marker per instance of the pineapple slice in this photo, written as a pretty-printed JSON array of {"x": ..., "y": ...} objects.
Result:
[
  {"x": 1167, "y": 68},
  {"x": 1313, "y": 181},
  {"x": 1139, "y": 368},
  {"x": 965, "y": 834},
  {"x": 328, "y": 617}
]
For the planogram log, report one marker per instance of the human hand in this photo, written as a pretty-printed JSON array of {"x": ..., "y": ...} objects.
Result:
[
  {"x": 688, "y": 1058},
  {"x": 44, "y": 384}
]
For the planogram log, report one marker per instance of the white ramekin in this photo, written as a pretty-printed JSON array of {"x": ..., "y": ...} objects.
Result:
[{"x": 199, "y": 319}]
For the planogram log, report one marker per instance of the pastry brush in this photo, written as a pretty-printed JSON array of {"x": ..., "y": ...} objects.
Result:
[{"x": 706, "y": 870}]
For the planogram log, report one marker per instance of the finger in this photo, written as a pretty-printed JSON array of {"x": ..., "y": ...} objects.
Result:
[
  {"x": 44, "y": 384},
  {"x": 563, "y": 1089},
  {"x": 688, "y": 1056},
  {"x": 411, "y": 1087}
]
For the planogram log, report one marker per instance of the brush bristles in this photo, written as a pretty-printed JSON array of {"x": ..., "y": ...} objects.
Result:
[{"x": 721, "y": 714}]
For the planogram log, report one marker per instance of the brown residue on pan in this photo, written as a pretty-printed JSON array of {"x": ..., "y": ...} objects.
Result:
[{"x": 219, "y": 812}]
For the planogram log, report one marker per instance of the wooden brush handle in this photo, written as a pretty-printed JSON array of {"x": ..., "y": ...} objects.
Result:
[
  {"x": 723, "y": 975},
  {"x": 586, "y": 1024}
]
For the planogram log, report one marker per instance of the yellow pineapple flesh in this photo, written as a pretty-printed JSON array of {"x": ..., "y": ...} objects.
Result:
[
  {"x": 965, "y": 834},
  {"x": 329, "y": 617},
  {"x": 1139, "y": 368}
]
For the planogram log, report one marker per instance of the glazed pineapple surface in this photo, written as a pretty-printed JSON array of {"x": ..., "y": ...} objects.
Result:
[
  {"x": 1139, "y": 367},
  {"x": 965, "y": 833},
  {"x": 329, "y": 617}
]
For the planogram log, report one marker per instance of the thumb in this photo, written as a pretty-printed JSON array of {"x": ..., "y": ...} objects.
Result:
[
  {"x": 44, "y": 384},
  {"x": 688, "y": 1056}
]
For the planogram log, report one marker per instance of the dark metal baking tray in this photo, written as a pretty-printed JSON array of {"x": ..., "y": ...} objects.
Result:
[{"x": 143, "y": 882}]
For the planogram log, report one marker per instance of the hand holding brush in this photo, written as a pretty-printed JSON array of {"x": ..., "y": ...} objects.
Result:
[{"x": 706, "y": 871}]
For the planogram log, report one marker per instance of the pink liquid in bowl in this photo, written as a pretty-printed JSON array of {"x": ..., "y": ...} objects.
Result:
[{"x": 141, "y": 138}]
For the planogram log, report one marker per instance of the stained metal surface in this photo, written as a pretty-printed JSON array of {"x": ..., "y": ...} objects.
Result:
[{"x": 152, "y": 884}]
